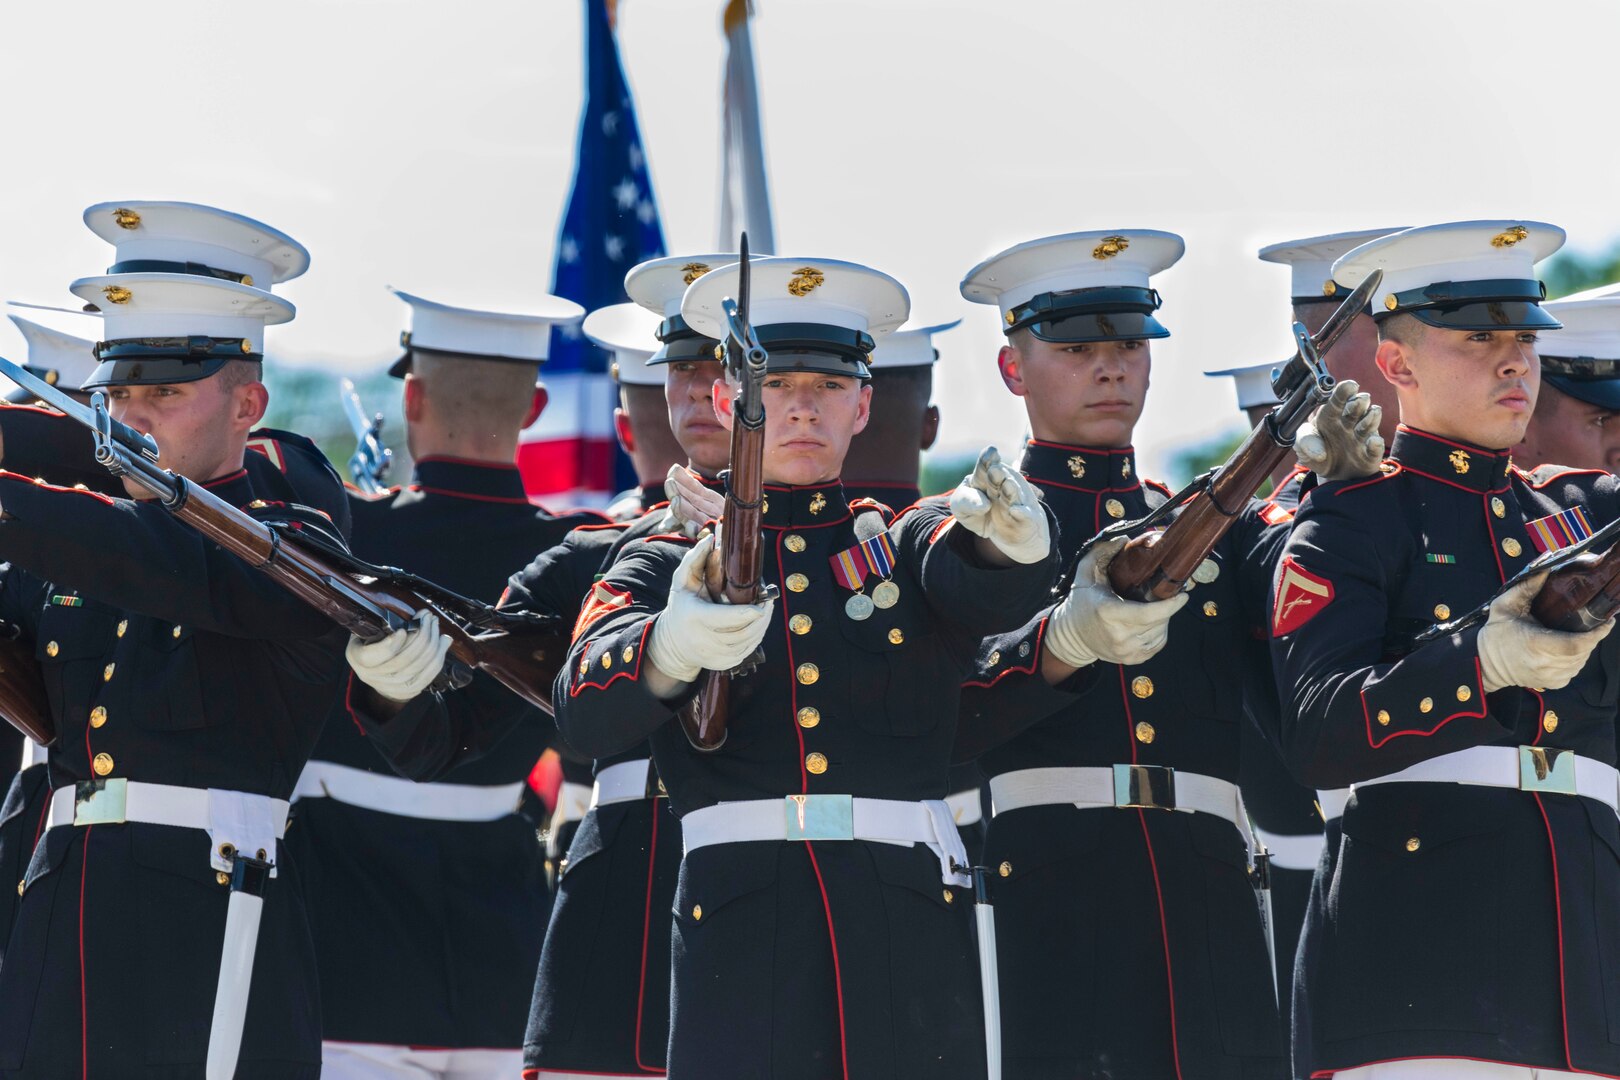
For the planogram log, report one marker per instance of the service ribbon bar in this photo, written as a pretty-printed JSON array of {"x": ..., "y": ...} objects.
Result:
[{"x": 1559, "y": 530}]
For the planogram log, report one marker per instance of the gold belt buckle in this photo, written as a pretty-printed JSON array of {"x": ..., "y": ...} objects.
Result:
[
  {"x": 1144, "y": 787},
  {"x": 654, "y": 788},
  {"x": 1545, "y": 768},
  {"x": 100, "y": 802}
]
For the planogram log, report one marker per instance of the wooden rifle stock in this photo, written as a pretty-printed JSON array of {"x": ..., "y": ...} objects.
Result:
[
  {"x": 23, "y": 702},
  {"x": 520, "y": 656},
  {"x": 1157, "y": 565},
  {"x": 1582, "y": 595},
  {"x": 741, "y": 545},
  {"x": 740, "y": 565}
]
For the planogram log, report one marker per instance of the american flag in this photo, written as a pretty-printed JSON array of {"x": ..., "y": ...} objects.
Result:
[{"x": 570, "y": 454}]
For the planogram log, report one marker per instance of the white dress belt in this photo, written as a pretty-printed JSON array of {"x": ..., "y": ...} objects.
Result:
[
  {"x": 234, "y": 820},
  {"x": 407, "y": 798},
  {"x": 1525, "y": 768},
  {"x": 624, "y": 782},
  {"x": 965, "y": 807},
  {"x": 833, "y": 817},
  {"x": 1332, "y": 803},
  {"x": 573, "y": 802},
  {"x": 1293, "y": 851},
  {"x": 1124, "y": 787}
]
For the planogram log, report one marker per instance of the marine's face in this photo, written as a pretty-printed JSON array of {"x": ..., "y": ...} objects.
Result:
[
  {"x": 1476, "y": 385},
  {"x": 1086, "y": 394},
  {"x": 810, "y": 419},
  {"x": 1565, "y": 430},
  {"x": 689, "y": 388},
  {"x": 195, "y": 425}
]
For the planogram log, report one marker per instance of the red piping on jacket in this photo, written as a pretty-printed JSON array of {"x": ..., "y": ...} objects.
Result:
[
  {"x": 1158, "y": 890},
  {"x": 646, "y": 931}
]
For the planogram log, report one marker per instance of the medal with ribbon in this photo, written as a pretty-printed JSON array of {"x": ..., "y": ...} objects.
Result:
[{"x": 850, "y": 568}]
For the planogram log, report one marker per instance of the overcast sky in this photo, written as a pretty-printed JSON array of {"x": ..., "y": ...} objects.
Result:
[{"x": 430, "y": 145}]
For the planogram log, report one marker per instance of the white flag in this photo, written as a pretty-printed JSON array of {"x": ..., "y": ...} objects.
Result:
[{"x": 745, "y": 201}]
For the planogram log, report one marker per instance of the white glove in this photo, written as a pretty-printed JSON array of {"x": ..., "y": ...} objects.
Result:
[
  {"x": 691, "y": 505},
  {"x": 694, "y": 633},
  {"x": 1093, "y": 623},
  {"x": 404, "y": 663},
  {"x": 997, "y": 503},
  {"x": 1340, "y": 441},
  {"x": 1516, "y": 650}
]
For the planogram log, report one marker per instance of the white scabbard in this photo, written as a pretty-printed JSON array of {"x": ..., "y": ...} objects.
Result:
[
  {"x": 984, "y": 913},
  {"x": 248, "y": 878}
]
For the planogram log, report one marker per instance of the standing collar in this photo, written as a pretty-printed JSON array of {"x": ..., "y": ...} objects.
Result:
[
  {"x": 465, "y": 479},
  {"x": 805, "y": 507},
  {"x": 235, "y": 488},
  {"x": 896, "y": 496},
  {"x": 1080, "y": 467},
  {"x": 1449, "y": 461}
]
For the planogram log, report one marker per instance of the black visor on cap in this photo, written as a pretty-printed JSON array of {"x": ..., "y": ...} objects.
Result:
[
  {"x": 693, "y": 346},
  {"x": 1604, "y": 393},
  {"x": 830, "y": 350},
  {"x": 674, "y": 328},
  {"x": 1107, "y": 313},
  {"x": 1496, "y": 304},
  {"x": 154, "y": 371}
]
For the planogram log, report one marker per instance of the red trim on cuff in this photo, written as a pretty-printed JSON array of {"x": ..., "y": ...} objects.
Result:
[
  {"x": 1034, "y": 660},
  {"x": 581, "y": 683},
  {"x": 1376, "y": 743},
  {"x": 39, "y": 482}
]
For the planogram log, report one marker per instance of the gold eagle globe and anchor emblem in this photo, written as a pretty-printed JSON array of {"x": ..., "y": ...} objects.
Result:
[
  {"x": 805, "y": 280},
  {"x": 1077, "y": 467},
  {"x": 1510, "y": 237},
  {"x": 692, "y": 271},
  {"x": 1110, "y": 246},
  {"x": 1459, "y": 461}
]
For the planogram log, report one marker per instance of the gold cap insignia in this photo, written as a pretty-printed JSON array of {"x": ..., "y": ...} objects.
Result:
[
  {"x": 1329, "y": 287},
  {"x": 719, "y": 352},
  {"x": 613, "y": 371},
  {"x": 247, "y": 346},
  {"x": 247, "y": 279},
  {"x": 1077, "y": 466},
  {"x": 1111, "y": 246},
  {"x": 1390, "y": 302},
  {"x": 125, "y": 218},
  {"x": 116, "y": 294},
  {"x": 805, "y": 280},
  {"x": 818, "y": 503},
  {"x": 1011, "y": 318},
  {"x": 1459, "y": 461},
  {"x": 51, "y": 377},
  {"x": 692, "y": 271},
  {"x": 1511, "y": 237}
]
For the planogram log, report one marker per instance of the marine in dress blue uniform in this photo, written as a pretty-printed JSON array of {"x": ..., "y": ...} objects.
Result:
[
  {"x": 185, "y": 687},
  {"x": 438, "y": 891},
  {"x": 1468, "y": 923},
  {"x": 1131, "y": 940}
]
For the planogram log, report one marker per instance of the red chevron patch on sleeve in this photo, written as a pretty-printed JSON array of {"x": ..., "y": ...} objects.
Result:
[
  {"x": 603, "y": 600},
  {"x": 1301, "y": 596},
  {"x": 1272, "y": 514}
]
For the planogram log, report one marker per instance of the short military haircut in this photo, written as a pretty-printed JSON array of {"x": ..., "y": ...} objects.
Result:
[
  {"x": 473, "y": 391},
  {"x": 1405, "y": 328},
  {"x": 240, "y": 373}
]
